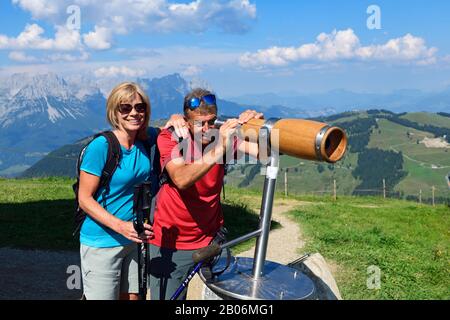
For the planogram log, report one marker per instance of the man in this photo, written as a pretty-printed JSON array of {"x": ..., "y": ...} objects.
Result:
[{"x": 188, "y": 213}]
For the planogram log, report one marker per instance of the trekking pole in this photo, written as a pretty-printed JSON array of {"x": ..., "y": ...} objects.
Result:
[
  {"x": 138, "y": 224},
  {"x": 142, "y": 207},
  {"x": 185, "y": 283},
  {"x": 146, "y": 208}
]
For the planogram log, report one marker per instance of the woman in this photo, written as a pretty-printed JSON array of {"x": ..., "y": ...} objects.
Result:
[{"x": 108, "y": 239}]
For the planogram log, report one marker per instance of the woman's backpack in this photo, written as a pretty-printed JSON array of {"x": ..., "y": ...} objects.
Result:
[{"x": 112, "y": 162}]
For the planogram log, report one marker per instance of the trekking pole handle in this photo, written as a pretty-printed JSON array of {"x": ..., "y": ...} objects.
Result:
[
  {"x": 214, "y": 249},
  {"x": 206, "y": 253}
]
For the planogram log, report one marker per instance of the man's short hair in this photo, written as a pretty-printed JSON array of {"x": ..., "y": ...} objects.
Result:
[{"x": 203, "y": 108}]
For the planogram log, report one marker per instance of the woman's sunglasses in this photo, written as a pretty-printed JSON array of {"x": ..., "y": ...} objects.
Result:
[
  {"x": 209, "y": 100},
  {"x": 125, "y": 108}
]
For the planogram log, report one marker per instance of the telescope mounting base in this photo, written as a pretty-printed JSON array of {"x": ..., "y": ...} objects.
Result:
[{"x": 279, "y": 282}]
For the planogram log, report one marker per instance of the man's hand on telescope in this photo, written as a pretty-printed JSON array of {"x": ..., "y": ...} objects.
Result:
[
  {"x": 226, "y": 132},
  {"x": 248, "y": 115},
  {"x": 249, "y": 147}
]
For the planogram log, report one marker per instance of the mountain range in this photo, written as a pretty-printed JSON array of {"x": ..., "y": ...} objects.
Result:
[
  {"x": 337, "y": 101},
  {"x": 40, "y": 113}
]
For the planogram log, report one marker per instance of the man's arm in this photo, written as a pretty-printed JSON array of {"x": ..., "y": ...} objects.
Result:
[{"x": 186, "y": 175}]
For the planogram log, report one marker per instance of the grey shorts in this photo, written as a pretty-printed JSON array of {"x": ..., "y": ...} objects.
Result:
[
  {"x": 107, "y": 272},
  {"x": 168, "y": 269}
]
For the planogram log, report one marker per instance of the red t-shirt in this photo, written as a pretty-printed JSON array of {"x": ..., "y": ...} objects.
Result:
[{"x": 187, "y": 219}]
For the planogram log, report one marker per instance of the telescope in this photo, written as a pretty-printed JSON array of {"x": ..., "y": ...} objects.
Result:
[
  {"x": 304, "y": 139},
  {"x": 258, "y": 279}
]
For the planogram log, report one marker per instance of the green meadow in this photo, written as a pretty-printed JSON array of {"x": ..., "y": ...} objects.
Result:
[{"x": 408, "y": 242}]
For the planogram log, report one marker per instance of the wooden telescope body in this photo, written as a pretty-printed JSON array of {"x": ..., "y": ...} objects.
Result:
[{"x": 302, "y": 139}]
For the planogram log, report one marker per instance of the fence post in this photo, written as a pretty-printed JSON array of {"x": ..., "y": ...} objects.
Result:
[
  {"x": 223, "y": 189},
  {"x": 432, "y": 192},
  {"x": 285, "y": 184},
  {"x": 334, "y": 190},
  {"x": 384, "y": 188},
  {"x": 420, "y": 196}
]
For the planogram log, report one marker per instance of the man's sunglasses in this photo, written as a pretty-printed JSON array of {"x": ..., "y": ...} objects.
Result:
[
  {"x": 125, "y": 108},
  {"x": 209, "y": 100},
  {"x": 210, "y": 123}
]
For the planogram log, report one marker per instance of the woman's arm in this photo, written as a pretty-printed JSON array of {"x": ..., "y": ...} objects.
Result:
[
  {"x": 87, "y": 188},
  {"x": 178, "y": 122}
]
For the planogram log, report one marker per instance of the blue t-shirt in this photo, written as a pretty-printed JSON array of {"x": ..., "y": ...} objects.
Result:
[{"x": 134, "y": 168}]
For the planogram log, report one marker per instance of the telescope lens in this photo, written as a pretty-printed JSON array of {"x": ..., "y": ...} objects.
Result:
[
  {"x": 335, "y": 145},
  {"x": 327, "y": 144}
]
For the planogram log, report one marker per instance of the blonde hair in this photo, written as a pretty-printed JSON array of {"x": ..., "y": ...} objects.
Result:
[{"x": 125, "y": 92}]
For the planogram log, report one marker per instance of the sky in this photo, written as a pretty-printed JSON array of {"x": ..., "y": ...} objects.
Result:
[{"x": 237, "y": 46}]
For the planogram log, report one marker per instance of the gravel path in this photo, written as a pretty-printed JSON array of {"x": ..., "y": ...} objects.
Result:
[
  {"x": 284, "y": 242},
  {"x": 37, "y": 275},
  {"x": 44, "y": 275}
]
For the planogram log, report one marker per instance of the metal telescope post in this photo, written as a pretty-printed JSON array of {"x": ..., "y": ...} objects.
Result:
[{"x": 267, "y": 202}]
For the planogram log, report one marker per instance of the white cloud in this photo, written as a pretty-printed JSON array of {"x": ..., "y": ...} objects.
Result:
[
  {"x": 31, "y": 38},
  {"x": 230, "y": 16},
  {"x": 20, "y": 56},
  {"x": 191, "y": 71},
  {"x": 65, "y": 57},
  {"x": 343, "y": 45},
  {"x": 446, "y": 59},
  {"x": 125, "y": 16},
  {"x": 407, "y": 48},
  {"x": 40, "y": 9},
  {"x": 113, "y": 71},
  {"x": 100, "y": 39}
]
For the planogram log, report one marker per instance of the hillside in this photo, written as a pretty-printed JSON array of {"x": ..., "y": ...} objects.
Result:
[
  {"x": 380, "y": 148},
  {"x": 62, "y": 161}
]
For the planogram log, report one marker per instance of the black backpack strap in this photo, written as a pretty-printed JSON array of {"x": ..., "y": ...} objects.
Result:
[
  {"x": 164, "y": 176},
  {"x": 112, "y": 162}
]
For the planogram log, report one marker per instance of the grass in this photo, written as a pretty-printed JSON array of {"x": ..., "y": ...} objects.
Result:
[
  {"x": 393, "y": 134},
  {"x": 428, "y": 118},
  {"x": 421, "y": 175},
  {"x": 408, "y": 242},
  {"x": 422, "y": 178},
  {"x": 301, "y": 171},
  {"x": 38, "y": 214}
]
